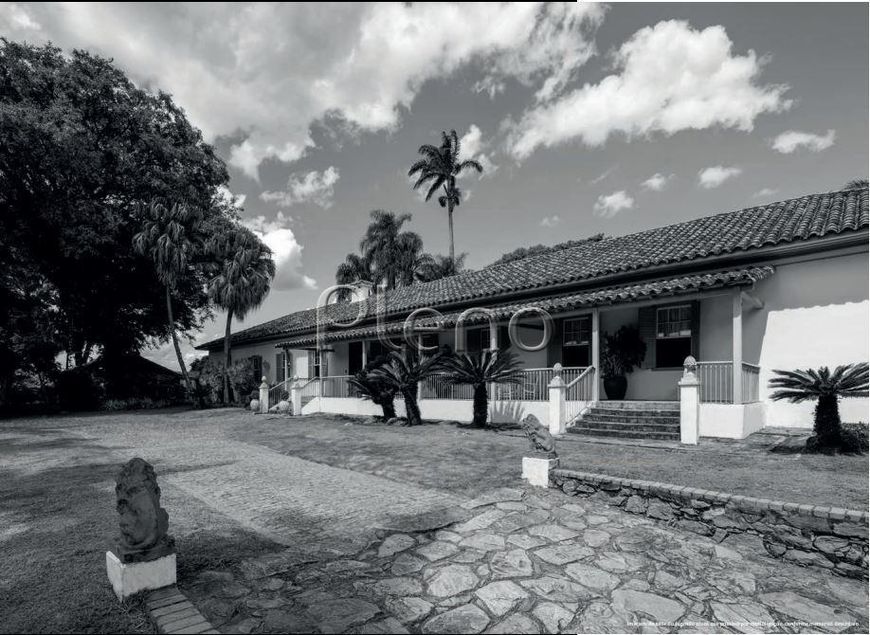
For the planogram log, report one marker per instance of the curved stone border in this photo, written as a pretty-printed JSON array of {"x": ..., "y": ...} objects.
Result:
[
  {"x": 174, "y": 613},
  {"x": 809, "y": 535}
]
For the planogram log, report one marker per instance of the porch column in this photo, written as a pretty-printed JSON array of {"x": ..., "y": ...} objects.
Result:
[
  {"x": 737, "y": 345},
  {"x": 596, "y": 354},
  {"x": 365, "y": 356}
]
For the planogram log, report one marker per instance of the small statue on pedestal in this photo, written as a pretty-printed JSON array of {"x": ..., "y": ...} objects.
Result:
[
  {"x": 539, "y": 436},
  {"x": 143, "y": 522}
]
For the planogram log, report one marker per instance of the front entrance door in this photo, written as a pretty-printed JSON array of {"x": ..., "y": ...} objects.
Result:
[{"x": 355, "y": 357}]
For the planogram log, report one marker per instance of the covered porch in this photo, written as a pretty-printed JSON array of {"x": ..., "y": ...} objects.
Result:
[{"x": 559, "y": 340}]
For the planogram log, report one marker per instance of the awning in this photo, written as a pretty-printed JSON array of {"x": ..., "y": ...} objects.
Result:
[{"x": 667, "y": 287}]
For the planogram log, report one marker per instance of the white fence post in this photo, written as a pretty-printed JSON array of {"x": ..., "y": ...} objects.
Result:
[
  {"x": 556, "y": 389},
  {"x": 689, "y": 402},
  {"x": 264, "y": 396},
  {"x": 296, "y": 396}
]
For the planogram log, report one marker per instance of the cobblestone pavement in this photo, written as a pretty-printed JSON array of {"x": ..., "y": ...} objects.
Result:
[{"x": 368, "y": 554}]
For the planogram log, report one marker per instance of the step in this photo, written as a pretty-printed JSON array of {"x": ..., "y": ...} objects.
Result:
[
  {"x": 630, "y": 417},
  {"x": 584, "y": 424},
  {"x": 626, "y": 434},
  {"x": 669, "y": 406}
]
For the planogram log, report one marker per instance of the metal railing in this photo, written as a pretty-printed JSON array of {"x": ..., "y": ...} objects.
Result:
[
  {"x": 533, "y": 386},
  {"x": 717, "y": 382},
  {"x": 311, "y": 388},
  {"x": 437, "y": 387},
  {"x": 749, "y": 377},
  {"x": 277, "y": 390},
  {"x": 578, "y": 394},
  {"x": 337, "y": 386}
]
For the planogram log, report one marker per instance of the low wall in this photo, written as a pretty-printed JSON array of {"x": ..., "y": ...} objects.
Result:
[
  {"x": 730, "y": 421},
  {"x": 807, "y": 535}
]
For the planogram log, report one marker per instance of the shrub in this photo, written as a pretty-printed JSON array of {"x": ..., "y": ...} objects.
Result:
[{"x": 244, "y": 379}]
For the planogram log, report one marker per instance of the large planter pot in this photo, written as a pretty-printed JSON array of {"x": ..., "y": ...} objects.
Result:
[{"x": 615, "y": 387}]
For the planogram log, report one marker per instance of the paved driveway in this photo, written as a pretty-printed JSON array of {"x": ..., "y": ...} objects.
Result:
[{"x": 351, "y": 551}]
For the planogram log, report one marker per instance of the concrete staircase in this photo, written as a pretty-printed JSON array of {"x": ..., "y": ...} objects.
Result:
[{"x": 631, "y": 420}]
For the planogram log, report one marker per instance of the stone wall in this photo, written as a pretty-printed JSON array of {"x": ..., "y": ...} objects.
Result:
[{"x": 807, "y": 535}]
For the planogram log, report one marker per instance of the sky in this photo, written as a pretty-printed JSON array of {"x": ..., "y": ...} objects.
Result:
[{"x": 588, "y": 118}]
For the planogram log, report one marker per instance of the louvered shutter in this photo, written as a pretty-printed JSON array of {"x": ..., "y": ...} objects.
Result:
[
  {"x": 646, "y": 318},
  {"x": 695, "y": 317},
  {"x": 311, "y": 364}
]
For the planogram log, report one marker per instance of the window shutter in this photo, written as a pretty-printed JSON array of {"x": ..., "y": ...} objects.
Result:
[
  {"x": 324, "y": 364},
  {"x": 646, "y": 318},
  {"x": 279, "y": 368},
  {"x": 311, "y": 364},
  {"x": 696, "y": 328}
]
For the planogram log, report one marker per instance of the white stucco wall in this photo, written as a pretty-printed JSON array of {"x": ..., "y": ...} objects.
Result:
[
  {"x": 816, "y": 314},
  {"x": 268, "y": 350}
]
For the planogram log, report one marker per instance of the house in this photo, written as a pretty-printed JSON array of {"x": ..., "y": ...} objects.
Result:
[{"x": 777, "y": 286}]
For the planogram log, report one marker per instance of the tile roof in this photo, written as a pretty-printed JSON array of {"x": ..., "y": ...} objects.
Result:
[
  {"x": 689, "y": 242},
  {"x": 667, "y": 287}
]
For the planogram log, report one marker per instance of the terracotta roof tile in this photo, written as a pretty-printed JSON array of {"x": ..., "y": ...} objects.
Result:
[{"x": 798, "y": 219}]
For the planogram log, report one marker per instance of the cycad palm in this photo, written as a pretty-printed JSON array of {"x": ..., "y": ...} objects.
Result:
[
  {"x": 166, "y": 238},
  {"x": 440, "y": 168},
  {"x": 245, "y": 270},
  {"x": 480, "y": 369},
  {"x": 826, "y": 387},
  {"x": 403, "y": 372}
]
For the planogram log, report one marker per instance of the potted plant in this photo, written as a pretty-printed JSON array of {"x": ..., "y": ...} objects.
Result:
[{"x": 621, "y": 353}]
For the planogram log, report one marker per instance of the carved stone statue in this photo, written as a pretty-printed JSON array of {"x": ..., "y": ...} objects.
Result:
[
  {"x": 143, "y": 523},
  {"x": 539, "y": 436}
]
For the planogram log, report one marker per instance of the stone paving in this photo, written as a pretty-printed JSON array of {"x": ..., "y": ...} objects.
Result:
[
  {"x": 530, "y": 562},
  {"x": 368, "y": 554}
]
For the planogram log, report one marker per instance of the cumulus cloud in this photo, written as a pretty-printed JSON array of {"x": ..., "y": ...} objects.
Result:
[
  {"x": 609, "y": 205},
  {"x": 657, "y": 182},
  {"x": 550, "y": 221},
  {"x": 262, "y": 73},
  {"x": 792, "y": 140},
  {"x": 313, "y": 187},
  {"x": 716, "y": 175},
  {"x": 471, "y": 146},
  {"x": 765, "y": 192},
  {"x": 286, "y": 251},
  {"x": 602, "y": 176},
  {"x": 669, "y": 77}
]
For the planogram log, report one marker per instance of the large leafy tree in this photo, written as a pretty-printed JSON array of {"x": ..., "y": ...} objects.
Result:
[
  {"x": 244, "y": 270},
  {"x": 855, "y": 184},
  {"x": 480, "y": 369},
  {"x": 439, "y": 169},
  {"x": 825, "y": 387},
  {"x": 83, "y": 151},
  {"x": 391, "y": 250},
  {"x": 438, "y": 266}
]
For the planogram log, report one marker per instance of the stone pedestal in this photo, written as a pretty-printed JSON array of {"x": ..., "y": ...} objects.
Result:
[
  {"x": 536, "y": 470},
  {"x": 690, "y": 401},
  {"x": 130, "y": 578}
]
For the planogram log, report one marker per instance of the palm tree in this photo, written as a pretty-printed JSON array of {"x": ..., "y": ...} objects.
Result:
[
  {"x": 354, "y": 269},
  {"x": 826, "y": 387},
  {"x": 245, "y": 270},
  {"x": 403, "y": 372},
  {"x": 480, "y": 369},
  {"x": 440, "y": 168},
  {"x": 166, "y": 239},
  {"x": 390, "y": 250},
  {"x": 368, "y": 386},
  {"x": 856, "y": 184},
  {"x": 438, "y": 266}
]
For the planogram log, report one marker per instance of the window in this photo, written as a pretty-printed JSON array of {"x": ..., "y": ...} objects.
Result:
[
  {"x": 429, "y": 340},
  {"x": 477, "y": 339},
  {"x": 576, "y": 341},
  {"x": 673, "y": 335},
  {"x": 280, "y": 367},
  {"x": 314, "y": 363}
]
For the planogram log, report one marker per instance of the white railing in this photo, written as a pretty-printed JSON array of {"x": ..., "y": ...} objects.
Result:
[
  {"x": 311, "y": 388},
  {"x": 579, "y": 393},
  {"x": 749, "y": 377},
  {"x": 717, "y": 382},
  {"x": 533, "y": 386},
  {"x": 437, "y": 387},
  {"x": 337, "y": 386}
]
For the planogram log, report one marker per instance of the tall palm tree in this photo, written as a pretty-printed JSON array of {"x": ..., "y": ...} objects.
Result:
[
  {"x": 440, "y": 168},
  {"x": 480, "y": 369},
  {"x": 354, "y": 269},
  {"x": 389, "y": 249},
  {"x": 826, "y": 387},
  {"x": 403, "y": 372},
  {"x": 167, "y": 238},
  {"x": 855, "y": 184},
  {"x": 438, "y": 266},
  {"x": 244, "y": 273}
]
